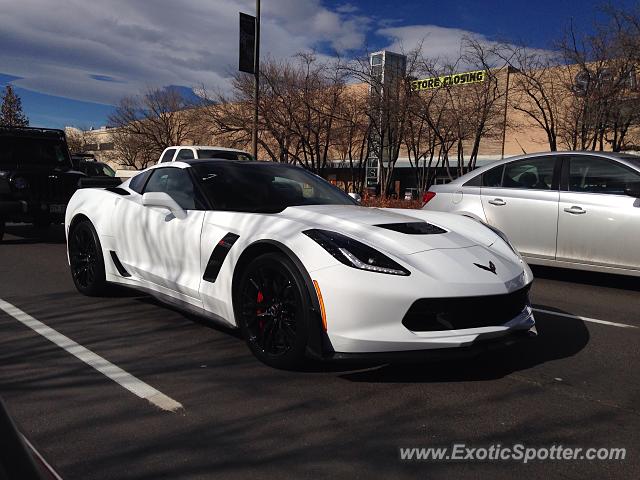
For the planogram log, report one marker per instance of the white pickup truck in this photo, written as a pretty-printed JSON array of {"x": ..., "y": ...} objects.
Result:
[{"x": 193, "y": 152}]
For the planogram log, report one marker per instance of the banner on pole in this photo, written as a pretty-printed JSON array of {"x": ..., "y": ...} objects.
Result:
[{"x": 247, "y": 43}]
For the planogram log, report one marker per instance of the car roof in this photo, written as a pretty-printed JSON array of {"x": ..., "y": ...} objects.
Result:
[
  {"x": 217, "y": 161},
  {"x": 617, "y": 156},
  {"x": 208, "y": 147}
]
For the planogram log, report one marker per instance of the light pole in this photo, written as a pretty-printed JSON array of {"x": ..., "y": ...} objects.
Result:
[
  {"x": 256, "y": 73},
  {"x": 510, "y": 70}
]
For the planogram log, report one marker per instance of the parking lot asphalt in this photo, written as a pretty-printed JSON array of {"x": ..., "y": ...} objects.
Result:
[{"x": 575, "y": 385}]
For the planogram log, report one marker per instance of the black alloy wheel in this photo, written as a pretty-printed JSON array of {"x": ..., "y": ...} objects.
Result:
[
  {"x": 272, "y": 308},
  {"x": 86, "y": 260}
]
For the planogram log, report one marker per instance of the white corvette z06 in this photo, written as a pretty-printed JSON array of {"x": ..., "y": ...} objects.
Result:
[{"x": 297, "y": 265}]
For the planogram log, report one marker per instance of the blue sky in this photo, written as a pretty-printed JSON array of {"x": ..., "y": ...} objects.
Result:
[{"x": 70, "y": 72}]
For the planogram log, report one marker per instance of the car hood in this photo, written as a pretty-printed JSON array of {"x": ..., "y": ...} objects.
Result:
[{"x": 364, "y": 223}]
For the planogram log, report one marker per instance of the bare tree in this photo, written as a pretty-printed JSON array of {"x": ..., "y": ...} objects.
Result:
[
  {"x": 536, "y": 91},
  {"x": 132, "y": 150},
  {"x": 299, "y": 101},
  {"x": 153, "y": 121},
  {"x": 352, "y": 136},
  {"x": 604, "y": 107},
  {"x": 76, "y": 139}
]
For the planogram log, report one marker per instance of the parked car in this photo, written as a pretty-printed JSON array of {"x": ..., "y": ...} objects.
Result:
[
  {"x": 298, "y": 266},
  {"x": 568, "y": 209},
  {"x": 98, "y": 174},
  {"x": 196, "y": 152},
  {"x": 37, "y": 177},
  {"x": 193, "y": 152}
]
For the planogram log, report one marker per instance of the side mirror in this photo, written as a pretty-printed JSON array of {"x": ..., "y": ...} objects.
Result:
[
  {"x": 633, "y": 190},
  {"x": 163, "y": 200},
  {"x": 356, "y": 197}
]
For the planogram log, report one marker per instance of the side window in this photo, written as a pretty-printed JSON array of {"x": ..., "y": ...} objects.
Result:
[
  {"x": 168, "y": 155},
  {"x": 185, "y": 154},
  {"x": 474, "y": 182},
  {"x": 137, "y": 183},
  {"x": 287, "y": 190},
  {"x": 598, "y": 175},
  {"x": 175, "y": 182},
  {"x": 493, "y": 177},
  {"x": 531, "y": 174}
]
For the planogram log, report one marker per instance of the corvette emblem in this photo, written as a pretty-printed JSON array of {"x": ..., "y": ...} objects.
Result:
[{"x": 491, "y": 268}]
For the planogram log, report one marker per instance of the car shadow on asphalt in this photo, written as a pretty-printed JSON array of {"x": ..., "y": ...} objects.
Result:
[
  {"x": 558, "y": 338},
  {"x": 26, "y": 234},
  {"x": 596, "y": 279},
  {"x": 199, "y": 319}
]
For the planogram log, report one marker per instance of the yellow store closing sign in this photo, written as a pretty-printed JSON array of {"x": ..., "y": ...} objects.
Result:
[{"x": 449, "y": 80}]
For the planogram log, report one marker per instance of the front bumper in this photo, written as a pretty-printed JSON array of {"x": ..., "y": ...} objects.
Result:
[
  {"x": 480, "y": 346},
  {"x": 364, "y": 310}
]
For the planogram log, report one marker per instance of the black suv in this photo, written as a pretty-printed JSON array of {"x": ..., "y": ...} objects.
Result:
[{"x": 37, "y": 178}]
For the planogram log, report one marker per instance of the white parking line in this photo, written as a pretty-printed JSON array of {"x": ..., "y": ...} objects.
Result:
[
  {"x": 108, "y": 369},
  {"x": 585, "y": 319}
]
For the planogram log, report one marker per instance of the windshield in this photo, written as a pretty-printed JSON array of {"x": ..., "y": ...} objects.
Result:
[
  {"x": 264, "y": 187},
  {"x": 97, "y": 169},
  {"x": 634, "y": 159},
  {"x": 223, "y": 154},
  {"x": 107, "y": 170}
]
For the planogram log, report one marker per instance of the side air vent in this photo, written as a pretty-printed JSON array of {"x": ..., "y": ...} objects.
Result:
[
  {"x": 116, "y": 261},
  {"x": 413, "y": 228},
  {"x": 118, "y": 190},
  {"x": 217, "y": 257}
]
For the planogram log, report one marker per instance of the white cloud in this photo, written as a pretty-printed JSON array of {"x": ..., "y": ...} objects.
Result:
[
  {"x": 443, "y": 45},
  {"x": 437, "y": 42},
  {"x": 64, "y": 48},
  {"x": 70, "y": 48}
]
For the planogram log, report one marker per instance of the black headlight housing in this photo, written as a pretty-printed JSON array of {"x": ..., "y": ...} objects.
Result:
[{"x": 355, "y": 254}]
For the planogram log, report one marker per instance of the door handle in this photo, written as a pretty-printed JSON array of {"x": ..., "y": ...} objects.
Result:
[
  {"x": 575, "y": 210},
  {"x": 497, "y": 201}
]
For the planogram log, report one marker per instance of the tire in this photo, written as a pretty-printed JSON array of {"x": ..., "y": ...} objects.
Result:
[
  {"x": 272, "y": 308},
  {"x": 86, "y": 260},
  {"x": 2, "y": 227}
]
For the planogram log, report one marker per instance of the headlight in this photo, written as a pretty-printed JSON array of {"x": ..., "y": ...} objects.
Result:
[{"x": 355, "y": 254}]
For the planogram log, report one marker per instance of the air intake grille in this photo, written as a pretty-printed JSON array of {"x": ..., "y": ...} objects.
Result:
[
  {"x": 433, "y": 314},
  {"x": 413, "y": 228}
]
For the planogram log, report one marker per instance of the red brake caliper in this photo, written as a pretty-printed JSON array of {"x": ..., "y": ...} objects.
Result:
[{"x": 259, "y": 310}]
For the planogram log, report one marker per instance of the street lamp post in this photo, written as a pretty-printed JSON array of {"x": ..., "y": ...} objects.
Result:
[
  {"x": 510, "y": 70},
  {"x": 256, "y": 92}
]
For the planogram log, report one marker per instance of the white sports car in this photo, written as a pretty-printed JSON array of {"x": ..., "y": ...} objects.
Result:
[{"x": 297, "y": 265}]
